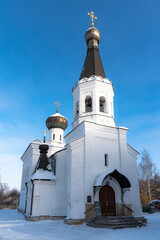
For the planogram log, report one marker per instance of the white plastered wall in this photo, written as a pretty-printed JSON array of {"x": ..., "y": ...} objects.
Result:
[
  {"x": 100, "y": 140},
  {"x": 43, "y": 200},
  {"x": 30, "y": 159},
  {"x": 26, "y": 173},
  {"x": 130, "y": 167},
  {"x": 76, "y": 184},
  {"x": 60, "y": 197},
  {"x": 29, "y": 198}
]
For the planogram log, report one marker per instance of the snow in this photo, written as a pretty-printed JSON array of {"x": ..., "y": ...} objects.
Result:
[
  {"x": 13, "y": 226},
  {"x": 57, "y": 114},
  {"x": 49, "y": 167},
  {"x": 43, "y": 174},
  {"x": 154, "y": 201}
]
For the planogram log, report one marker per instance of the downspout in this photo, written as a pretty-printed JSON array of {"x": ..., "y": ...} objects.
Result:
[
  {"x": 26, "y": 198},
  {"x": 122, "y": 199},
  {"x": 32, "y": 197}
]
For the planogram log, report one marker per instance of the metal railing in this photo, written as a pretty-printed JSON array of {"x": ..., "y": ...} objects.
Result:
[
  {"x": 89, "y": 209},
  {"x": 127, "y": 207}
]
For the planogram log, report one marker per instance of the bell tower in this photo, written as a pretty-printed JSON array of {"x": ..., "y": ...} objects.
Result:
[{"x": 93, "y": 93}]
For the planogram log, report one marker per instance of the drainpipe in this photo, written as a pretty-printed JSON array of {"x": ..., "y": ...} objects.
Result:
[
  {"x": 26, "y": 198},
  {"x": 122, "y": 195},
  {"x": 32, "y": 197}
]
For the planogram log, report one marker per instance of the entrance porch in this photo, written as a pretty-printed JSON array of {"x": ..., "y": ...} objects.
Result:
[{"x": 112, "y": 192}]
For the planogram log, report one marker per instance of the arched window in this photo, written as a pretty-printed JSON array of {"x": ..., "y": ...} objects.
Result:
[
  {"x": 102, "y": 104},
  {"x": 88, "y": 104},
  {"x": 76, "y": 109}
]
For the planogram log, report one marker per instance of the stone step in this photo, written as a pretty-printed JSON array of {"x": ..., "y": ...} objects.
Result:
[
  {"x": 115, "y": 226},
  {"x": 115, "y": 222},
  {"x": 114, "y": 217},
  {"x": 118, "y": 224}
]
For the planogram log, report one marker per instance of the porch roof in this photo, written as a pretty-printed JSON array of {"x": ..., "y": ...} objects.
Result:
[{"x": 120, "y": 178}]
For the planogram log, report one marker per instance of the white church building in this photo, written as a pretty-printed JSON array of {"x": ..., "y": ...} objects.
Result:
[{"x": 94, "y": 171}]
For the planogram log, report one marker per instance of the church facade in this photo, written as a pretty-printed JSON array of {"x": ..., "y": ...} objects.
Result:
[{"x": 95, "y": 171}]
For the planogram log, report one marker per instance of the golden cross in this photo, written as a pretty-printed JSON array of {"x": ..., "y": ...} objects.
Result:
[
  {"x": 91, "y": 14},
  {"x": 57, "y": 103},
  {"x": 44, "y": 132}
]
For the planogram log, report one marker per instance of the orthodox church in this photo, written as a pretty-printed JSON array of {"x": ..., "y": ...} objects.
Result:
[{"x": 92, "y": 173}]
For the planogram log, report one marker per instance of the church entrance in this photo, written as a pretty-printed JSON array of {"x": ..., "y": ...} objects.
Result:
[{"x": 107, "y": 201}]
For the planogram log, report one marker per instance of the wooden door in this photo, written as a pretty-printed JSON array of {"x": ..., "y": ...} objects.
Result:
[{"x": 107, "y": 201}]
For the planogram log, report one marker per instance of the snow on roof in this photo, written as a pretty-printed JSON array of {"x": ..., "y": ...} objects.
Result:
[
  {"x": 133, "y": 149},
  {"x": 43, "y": 174},
  {"x": 58, "y": 115}
]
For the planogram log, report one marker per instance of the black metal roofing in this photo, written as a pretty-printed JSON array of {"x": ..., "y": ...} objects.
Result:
[
  {"x": 43, "y": 162},
  {"x": 123, "y": 181},
  {"x": 93, "y": 64}
]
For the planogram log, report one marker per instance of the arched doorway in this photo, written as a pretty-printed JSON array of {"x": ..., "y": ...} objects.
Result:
[{"x": 107, "y": 201}]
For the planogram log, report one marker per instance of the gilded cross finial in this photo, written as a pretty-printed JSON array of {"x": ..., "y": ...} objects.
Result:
[
  {"x": 91, "y": 14},
  {"x": 44, "y": 133},
  {"x": 58, "y": 104}
]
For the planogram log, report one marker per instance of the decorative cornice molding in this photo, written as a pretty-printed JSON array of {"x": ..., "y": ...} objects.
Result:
[
  {"x": 113, "y": 140},
  {"x": 92, "y": 78}
]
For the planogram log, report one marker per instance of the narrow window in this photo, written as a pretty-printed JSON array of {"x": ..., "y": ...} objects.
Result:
[
  {"x": 53, "y": 136},
  {"x": 76, "y": 109},
  {"x": 60, "y": 137},
  {"x": 89, "y": 199},
  {"x": 102, "y": 104},
  {"x": 88, "y": 104},
  {"x": 106, "y": 159}
]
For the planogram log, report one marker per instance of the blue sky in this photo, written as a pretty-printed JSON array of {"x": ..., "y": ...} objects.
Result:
[{"x": 42, "y": 51}]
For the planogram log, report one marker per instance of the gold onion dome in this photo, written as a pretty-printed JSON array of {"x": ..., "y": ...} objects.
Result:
[
  {"x": 56, "y": 121},
  {"x": 92, "y": 33}
]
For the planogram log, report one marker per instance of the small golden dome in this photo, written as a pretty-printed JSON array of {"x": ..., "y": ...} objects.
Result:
[
  {"x": 92, "y": 33},
  {"x": 56, "y": 121}
]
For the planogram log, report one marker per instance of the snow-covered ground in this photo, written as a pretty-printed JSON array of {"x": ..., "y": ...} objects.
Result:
[{"x": 13, "y": 226}]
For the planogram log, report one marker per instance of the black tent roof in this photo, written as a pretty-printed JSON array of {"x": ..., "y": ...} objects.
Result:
[{"x": 93, "y": 64}]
